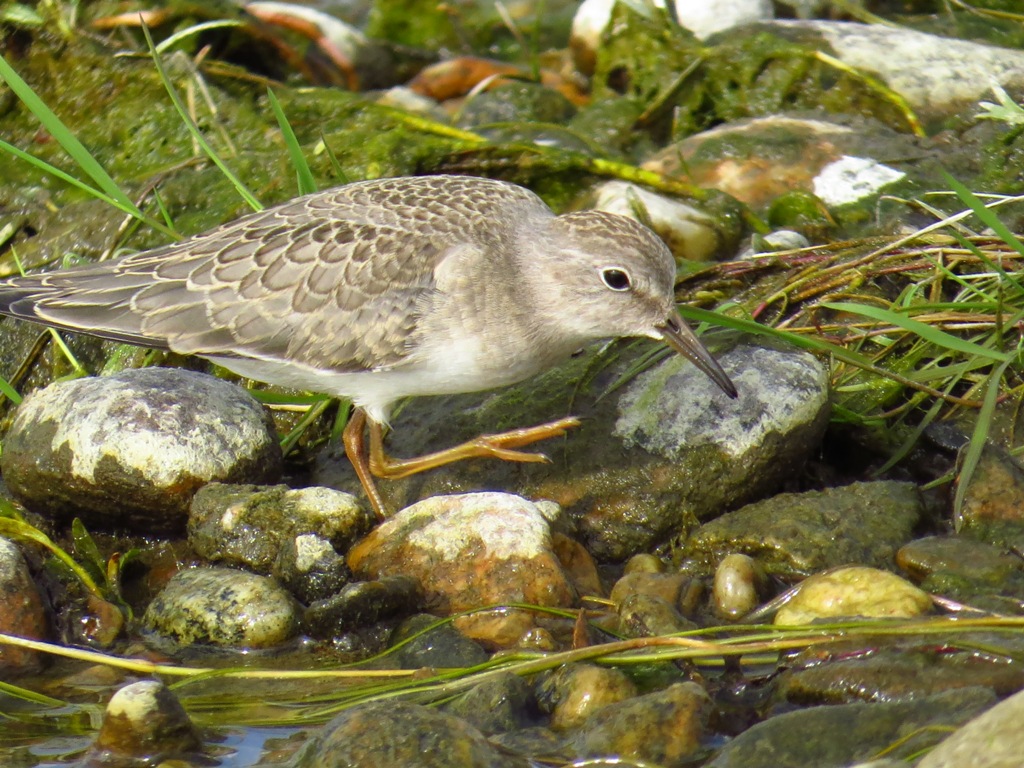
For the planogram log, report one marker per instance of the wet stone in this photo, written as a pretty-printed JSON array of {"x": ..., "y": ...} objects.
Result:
[
  {"x": 842, "y": 734},
  {"x": 310, "y": 568},
  {"x": 497, "y": 705},
  {"x": 713, "y": 456},
  {"x": 665, "y": 727},
  {"x": 739, "y": 584},
  {"x": 393, "y": 734},
  {"x": 22, "y": 611},
  {"x": 801, "y": 533},
  {"x": 441, "y": 646},
  {"x": 144, "y": 721},
  {"x": 649, "y": 616},
  {"x": 469, "y": 551},
  {"x": 248, "y": 525},
  {"x": 853, "y": 591},
  {"x": 360, "y": 604},
  {"x": 993, "y": 739},
  {"x": 573, "y": 693},
  {"x": 960, "y": 556},
  {"x": 221, "y": 606},
  {"x": 129, "y": 451},
  {"x": 887, "y": 669},
  {"x": 993, "y": 507}
]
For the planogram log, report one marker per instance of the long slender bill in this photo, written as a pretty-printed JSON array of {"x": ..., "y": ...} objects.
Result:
[{"x": 679, "y": 336}]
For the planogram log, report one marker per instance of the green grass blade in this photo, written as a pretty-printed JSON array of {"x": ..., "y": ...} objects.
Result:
[
  {"x": 63, "y": 135},
  {"x": 17, "y": 529},
  {"x": 979, "y": 438},
  {"x": 9, "y": 392},
  {"x": 193, "y": 129},
  {"x": 64, "y": 176},
  {"x": 306, "y": 182},
  {"x": 928, "y": 333},
  {"x": 987, "y": 217},
  {"x": 196, "y": 29}
]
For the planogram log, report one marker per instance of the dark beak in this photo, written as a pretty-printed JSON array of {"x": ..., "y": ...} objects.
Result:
[{"x": 679, "y": 336}]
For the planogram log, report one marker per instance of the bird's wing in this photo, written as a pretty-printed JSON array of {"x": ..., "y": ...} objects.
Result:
[{"x": 318, "y": 280}]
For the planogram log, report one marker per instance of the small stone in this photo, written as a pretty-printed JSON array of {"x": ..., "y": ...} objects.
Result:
[
  {"x": 221, "y": 606},
  {"x": 360, "y": 604},
  {"x": 22, "y": 611},
  {"x": 496, "y": 705},
  {"x": 665, "y": 727},
  {"x": 396, "y": 734},
  {"x": 310, "y": 568},
  {"x": 247, "y": 525},
  {"x": 854, "y": 591},
  {"x": 469, "y": 551},
  {"x": 575, "y": 692},
  {"x": 130, "y": 450},
  {"x": 739, "y": 580},
  {"x": 440, "y": 647},
  {"x": 649, "y": 616},
  {"x": 991, "y": 740},
  {"x": 146, "y": 721}
]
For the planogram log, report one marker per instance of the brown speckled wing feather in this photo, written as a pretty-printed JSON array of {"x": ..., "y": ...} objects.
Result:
[{"x": 333, "y": 279}]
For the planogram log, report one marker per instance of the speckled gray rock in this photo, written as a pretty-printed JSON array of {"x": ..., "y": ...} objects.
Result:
[
  {"x": 800, "y": 533},
  {"x": 221, "y": 606},
  {"x": 129, "y": 451},
  {"x": 247, "y": 525}
]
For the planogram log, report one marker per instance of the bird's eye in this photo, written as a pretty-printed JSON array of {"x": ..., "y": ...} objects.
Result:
[{"x": 616, "y": 279}]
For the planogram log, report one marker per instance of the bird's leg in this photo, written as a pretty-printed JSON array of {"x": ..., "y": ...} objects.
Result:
[
  {"x": 355, "y": 449},
  {"x": 500, "y": 446}
]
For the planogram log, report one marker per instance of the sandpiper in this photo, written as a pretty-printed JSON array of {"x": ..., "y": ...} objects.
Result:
[{"x": 385, "y": 289}]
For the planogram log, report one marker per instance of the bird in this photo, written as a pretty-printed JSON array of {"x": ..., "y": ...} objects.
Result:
[{"x": 384, "y": 289}]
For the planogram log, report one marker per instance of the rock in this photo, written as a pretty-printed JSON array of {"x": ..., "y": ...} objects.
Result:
[
  {"x": 22, "y": 611},
  {"x": 854, "y": 591},
  {"x": 573, "y": 693},
  {"x": 700, "y": 460},
  {"x": 993, "y": 506},
  {"x": 839, "y": 735},
  {"x": 702, "y": 17},
  {"x": 310, "y": 568},
  {"x": 739, "y": 583},
  {"x": 469, "y": 551},
  {"x": 936, "y": 75},
  {"x": 665, "y": 727},
  {"x": 897, "y": 668},
  {"x": 221, "y": 606},
  {"x": 393, "y": 734},
  {"x": 691, "y": 232},
  {"x": 649, "y": 616},
  {"x": 144, "y": 721},
  {"x": 795, "y": 534},
  {"x": 498, "y": 704},
  {"x": 130, "y": 450},
  {"x": 360, "y": 604},
  {"x": 993, "y": 739},
  {"x": 432, "y": 645},
  {"x": 247, "y": 525}
]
